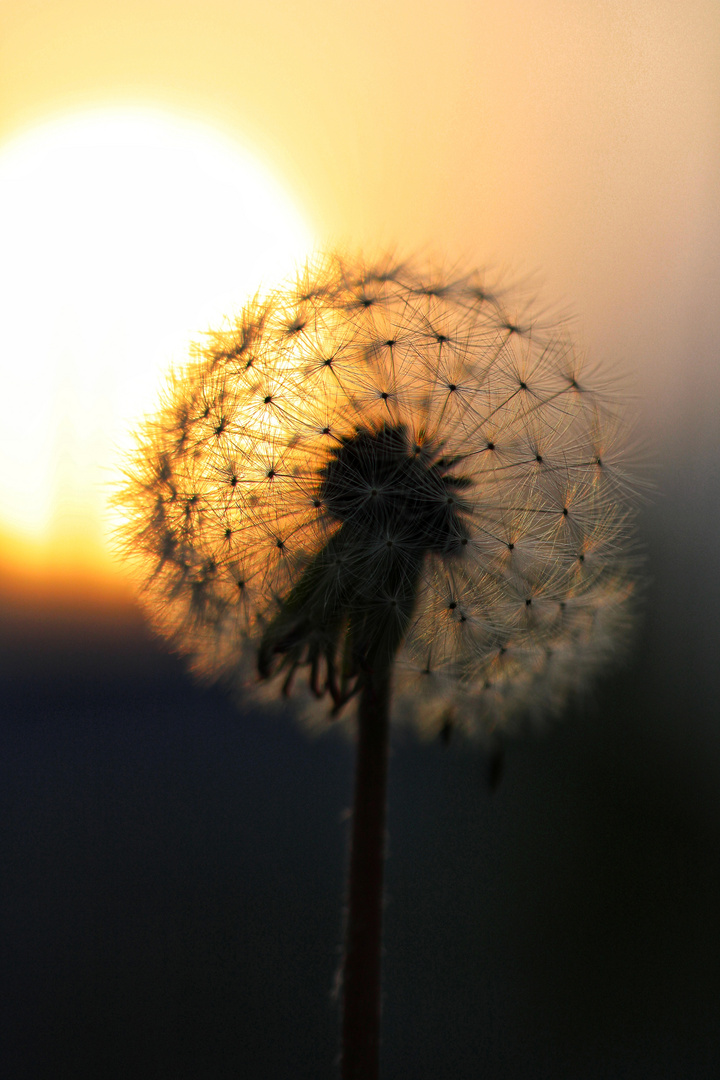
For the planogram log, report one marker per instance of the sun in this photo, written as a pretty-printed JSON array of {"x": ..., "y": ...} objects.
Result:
[{"x": 125, "y": 233}]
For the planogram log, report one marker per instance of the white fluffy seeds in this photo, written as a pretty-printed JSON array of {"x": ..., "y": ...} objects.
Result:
[{"x": 478, "y": 502}]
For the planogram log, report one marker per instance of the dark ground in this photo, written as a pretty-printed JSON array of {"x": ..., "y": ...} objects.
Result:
[{"x": 173, "y": 869}]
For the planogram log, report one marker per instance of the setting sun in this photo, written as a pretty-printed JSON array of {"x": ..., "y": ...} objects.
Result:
[{"x": 126, "y": 232}]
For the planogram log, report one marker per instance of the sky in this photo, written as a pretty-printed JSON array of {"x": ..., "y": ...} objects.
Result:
[
  {"x": 576, "y": 145},
  {"x": 174, "y": 865}
]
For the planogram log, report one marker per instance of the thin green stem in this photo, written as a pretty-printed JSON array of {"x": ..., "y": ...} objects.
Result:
[{"x": 361, "y": 972}]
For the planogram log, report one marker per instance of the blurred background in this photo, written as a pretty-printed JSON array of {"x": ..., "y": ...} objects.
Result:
[{"x": 172, "y": 867}]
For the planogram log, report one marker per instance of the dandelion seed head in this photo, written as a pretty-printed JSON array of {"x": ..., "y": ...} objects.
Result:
[{"x": 371, "y": 463}]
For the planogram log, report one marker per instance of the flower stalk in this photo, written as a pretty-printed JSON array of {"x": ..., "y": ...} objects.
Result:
[{"x": 361, "y": 987}]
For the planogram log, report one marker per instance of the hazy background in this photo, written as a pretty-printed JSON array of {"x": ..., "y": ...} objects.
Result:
[{"x": 173, "y": 868}]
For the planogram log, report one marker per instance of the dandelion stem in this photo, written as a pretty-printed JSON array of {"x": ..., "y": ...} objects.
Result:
[{"x": 361, "y": 974}]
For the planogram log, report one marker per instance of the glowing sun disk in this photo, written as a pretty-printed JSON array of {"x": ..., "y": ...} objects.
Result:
[{"x": 124, "y": 234}]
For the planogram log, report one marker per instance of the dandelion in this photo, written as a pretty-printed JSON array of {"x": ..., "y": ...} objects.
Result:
[{"x": 376, "y": 479}]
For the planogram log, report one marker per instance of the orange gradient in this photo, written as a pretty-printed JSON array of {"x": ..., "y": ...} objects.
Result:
[{"x": 576, "y": 140}]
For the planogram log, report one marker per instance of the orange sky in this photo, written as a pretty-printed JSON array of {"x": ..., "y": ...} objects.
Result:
[
  {"x": 525, "y": 128},
  {"x": 580, "y": 140}
]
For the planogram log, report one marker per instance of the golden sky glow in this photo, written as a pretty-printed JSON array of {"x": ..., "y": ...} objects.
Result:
[{"x": 580, "y": 140}]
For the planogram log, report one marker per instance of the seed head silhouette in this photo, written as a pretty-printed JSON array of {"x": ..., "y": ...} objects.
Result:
[
  {"x": 384, "y": 485},
  {"x": 375, "y": 465}
]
